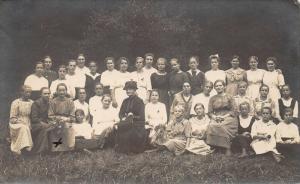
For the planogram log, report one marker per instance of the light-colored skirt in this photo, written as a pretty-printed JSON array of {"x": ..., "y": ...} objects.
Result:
[
  {"x": 20, "y": 137},
  {"x": 84, "y": 129},
  {"x": 264, "y": 146},
  {"x": 63, "y": 138},
  {"x": 199, "y": 147}
]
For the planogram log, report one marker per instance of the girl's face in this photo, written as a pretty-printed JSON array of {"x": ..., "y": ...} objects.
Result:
[
  {"x": 39, "y": 69},
  {"x": 214, "y": 63},
  {"x": 149, "y": 61},
  {"x": 139, "y": 64},
  {"x": 98, "y": 90},
  {"x": 93, "y": 67},
  {"x": 47, "y": 63},
  {"x": 186, "y": 87},
  {"x": 270, "y": 65},
  {"x": 199, "y": 110},
  {"x": 285, "y": 92},
  {"x": 79, "y": 117},
  {"x": 235, "y": 63},
  {"x": 123, "y": 65},
  {"x": 81, "y": 61},
  {"x": 242, "y": 88},
  {"x": 130, "y": 92},
  {"x": 82, "y": 95},
  {"x": 161, "y": 65},
  {"x": 207, "y": 88},
  {"x": 106, "y": 102},
  {"x": 219, "y": 87},
  {"x": 61, "y": 91},
  {"x": 110, "y": 65},
  {"x": 72, "y": 66},
  {"x": 264, "y": 91},
  {"x": 288, "y": 117},
  {"x": 178, "y": 112},
  {"x": 266, "y": 115},
  {"x": 193, "y": 64},
  {"x": 244, "y": 110},
  {"x": 253, "y": 63},
  {"x": 62, "y": 73},
  {"x": 154, "y": 97},
  {"x": 26, "y": 93},
  {"x": 175, "y": 65}
]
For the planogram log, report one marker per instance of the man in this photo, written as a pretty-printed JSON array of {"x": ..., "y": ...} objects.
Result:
[
  {"x": 196, "y": 77},
  {"x": 49, "y": 74},
  {"x": 39, "y": 122},
  {"x": 81, "y": 68}
]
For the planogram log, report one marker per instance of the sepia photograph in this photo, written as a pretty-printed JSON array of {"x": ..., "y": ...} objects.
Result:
[{"x": 149, "y": 91}]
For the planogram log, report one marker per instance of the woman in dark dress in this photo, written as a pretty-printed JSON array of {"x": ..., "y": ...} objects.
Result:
[
  {"x": 131, "y": 135},
  {"x": 159, "y": 81}
]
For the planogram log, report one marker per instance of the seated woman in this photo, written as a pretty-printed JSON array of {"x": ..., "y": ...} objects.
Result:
[
  {"x": 245, "y": 124},
  {"x": 131, "y": 135},
  {"x": 263, "y": 135},
  {"x": 155, "y": 113},
  {"x": 178, "y": 132},
  {"x": 199, "y": 126},
  {"x": 287, "y": 136},
  {"x": 19, "y": 123},
  {"x": 62, "y": 113},
  {"x": 105, "y": 118},
  {"x": 224, "y": 125},
  {"x": 263, "y": 101}
]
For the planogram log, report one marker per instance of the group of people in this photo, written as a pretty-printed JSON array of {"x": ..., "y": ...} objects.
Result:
[{"x": 150, "y": 108}]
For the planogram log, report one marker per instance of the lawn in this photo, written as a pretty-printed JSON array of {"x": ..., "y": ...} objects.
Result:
[{"x": 107, "y": 166}]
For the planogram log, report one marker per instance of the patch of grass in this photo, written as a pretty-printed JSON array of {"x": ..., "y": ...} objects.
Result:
[{"x": 107, "y": 166}]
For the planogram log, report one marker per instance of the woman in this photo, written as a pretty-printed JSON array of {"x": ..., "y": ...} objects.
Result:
[
  {"x": 155, "y": 113},
  {"x": 263, "y": 101},
  {"x": 118, "y": 93},
  {"x": 263, "y": 135},
  {"x": 254, "y": 78},
  {"x": 62, "y": 113},
  {"x": 178, "y": 133},
  {"x": 199, "y": 126},
  {"x": 244, "y": 131},
  {"x": 159, "y": 81},
  {"x": 273, "y": 78},
  {"x": 142, "y": 79},
  {"x": 81, "y": 104},
  {"x": 62, "y": 71},
  {"x": 185, "y": 99},
  {"x": 109, "y": 77},
  {"x": 19, "y": 123},
  {"x": 36, "y": 81},
  {"x": 234, "y": 75},
  {"x": 223, "y": 126},
  {"x": 215, "y": 73},
  {"x": 131, "y": 135}
]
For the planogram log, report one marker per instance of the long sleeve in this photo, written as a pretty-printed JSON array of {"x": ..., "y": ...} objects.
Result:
[
  {"x": 14, "y": 112},
  {"x": 295, "y": 112},
  {"x": 35, "y": 115},
  {"x": 278, "y": 134},
  {"x": 51, "y": 110},
  {"x": 281, "y": 81},
  {"x": 296, "y": 136},
  {"x": 164, "y": 111},
  {"x": 254, "y": 129},
  {"x": 122, "y": 112}
]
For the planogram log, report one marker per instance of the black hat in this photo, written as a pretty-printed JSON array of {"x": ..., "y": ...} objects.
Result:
[{"x": 130, "y": 85}]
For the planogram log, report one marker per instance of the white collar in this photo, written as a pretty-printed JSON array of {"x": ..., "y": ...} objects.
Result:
[{"x": 197, "y": 71}]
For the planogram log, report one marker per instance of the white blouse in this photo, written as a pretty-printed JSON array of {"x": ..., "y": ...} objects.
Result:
[
  {"x": 155, "y": 114},
  {"x": 94, "y": 104},
  {"x": 109, "y": 78},
  {"x": 200, "y": 98},
  {"x": 285, "y": 130},
  {"x": 35, "y": 82},
  {"x": 213, "y": 75},
  {"x": 76, "y": 80},
  {"x": 84, "y": 70},
  {"x": 84, "y": 107}
]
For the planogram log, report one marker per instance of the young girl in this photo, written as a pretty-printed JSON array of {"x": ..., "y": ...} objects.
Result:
[
  {"x": 245, "y": 124},
  {"x": 263, "y": 101},
  {"x": 263, "y": 135},
  {"x": 81, "y": 127}
]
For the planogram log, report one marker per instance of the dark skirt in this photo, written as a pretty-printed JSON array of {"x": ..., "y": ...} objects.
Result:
[
  {"x": 289, "y": 150},
  {"x": 131, "y": 137}
]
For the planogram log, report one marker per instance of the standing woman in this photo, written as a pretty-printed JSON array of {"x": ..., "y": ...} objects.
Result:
[
  {"x": 62, "y": 113},
  {"x": 215, "y": 73},
  {"x": 254, "y": 78},
  {"x": 19, "y": 123},
  {"x": 36, "y": 81},
  {"x": 224, "y": 125},
  {"x": 159, "y": 81},
  {"x": 49, "y": 74},
  {"x": 118, "y": 94},
  {"x": 234, "y": 75},
  {"x": 273, "y": 78},
  {"x": 142, "y": 79}
]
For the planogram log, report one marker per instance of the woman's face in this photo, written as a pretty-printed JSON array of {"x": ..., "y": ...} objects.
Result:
[
  {"x": 47, "y": 63},
  {"x": 193, "y": 64},
  {"x": 98, "y": 90},
  {"x": 72, "y": 66},
  {"x": 93, "y": 67},
  {"x": 264, "y": 91},
  {"x": 106, "y": 102},
  {"x": 235, "y": 63},
  {"x": 285, "y": 92},
  {"x": 242, "y": 88},
  {"x": 154, "y": 97},
  {"x": 130, "y": 92},
  {"x": 110, "y": 65},
  {"x": 266, "y": 115},
  {"x": 39, "y": 69},
  {"x": 186, "y": 87},
  {"x": 61, "y": 91},
  {"x": 253, "y": 63},
  {"x": 178, "y": 112},
  {"x": 26, "y": 93},
  {"x": 81, "y": 61},
  {"x": 219, "y": 87},
  {"x": 244, "y": 110},
  {"x": 161, "y": 65},
  {"x": 214, "y": 63},
  {"x": 82, "y": 95},
  {"x": 62, "y": 73},
  {"x": 270, "y": 65},
  {"x": 123, "y": 65},
  {"x": 149, "y": 61},
  {"x": 139, "y": 63},
  {"x": 207, "y": 88},
  {"x": 199, "y": 110},
  {"x": 79, "y": 117}
]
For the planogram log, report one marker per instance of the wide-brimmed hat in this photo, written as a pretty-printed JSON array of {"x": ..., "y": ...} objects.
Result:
[{"x": 130, "y": 85}]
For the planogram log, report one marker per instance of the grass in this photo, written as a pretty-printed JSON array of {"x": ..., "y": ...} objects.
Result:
[{"x": 107, "y": 166}]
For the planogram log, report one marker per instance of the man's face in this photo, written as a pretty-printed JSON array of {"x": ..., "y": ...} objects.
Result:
[{"x": 45, "y": 94}]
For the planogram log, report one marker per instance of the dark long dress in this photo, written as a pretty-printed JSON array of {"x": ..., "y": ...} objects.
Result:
[
  {"x": 131, "y": 135},
  {"x": 40, "y": 133},
  {"x": 160, "y": 83}
]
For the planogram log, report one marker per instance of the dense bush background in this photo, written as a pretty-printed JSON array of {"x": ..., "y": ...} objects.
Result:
[{"x": 31, "y": 29}]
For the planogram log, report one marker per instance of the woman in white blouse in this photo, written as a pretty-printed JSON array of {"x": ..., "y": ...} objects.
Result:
[
  {"x": 110, "y": 76},
  {"x": 155, "y": 113},
  {"x": 273, "y": 78}
]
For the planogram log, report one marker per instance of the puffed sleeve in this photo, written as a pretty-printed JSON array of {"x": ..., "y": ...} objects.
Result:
[{"x": 281, "y": 80}]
